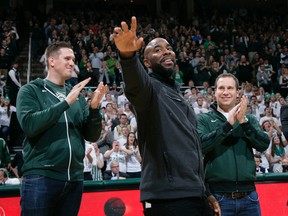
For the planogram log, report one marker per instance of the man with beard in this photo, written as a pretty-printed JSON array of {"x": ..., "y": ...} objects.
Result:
[{"x": 172, "y": 181}]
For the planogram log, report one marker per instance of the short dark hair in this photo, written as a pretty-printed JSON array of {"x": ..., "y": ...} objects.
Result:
[
  {"x": 224, "y": 75},
  {"x": 55, "y": 47}
]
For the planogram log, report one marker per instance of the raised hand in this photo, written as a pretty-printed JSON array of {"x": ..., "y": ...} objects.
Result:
[
  {"x": 73, "y": 95},
  {"x": 126, "y": 40},
  {"x": 98, "y": 95},
  {"x": 242, "y": 109},
  {"x": 233, "y": 114}
]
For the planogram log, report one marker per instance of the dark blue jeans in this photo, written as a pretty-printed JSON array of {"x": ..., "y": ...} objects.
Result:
[
  {"x": 49, "y": 197},
  {"x": 246, "y": 206}
]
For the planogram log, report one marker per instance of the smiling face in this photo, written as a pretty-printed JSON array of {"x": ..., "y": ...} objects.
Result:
[
  {"x": 159, "y": 57},
  {"x": 63, "y": 64},
  {"x": 226, "y": 93},
  {"x": 60, "y": 61}
]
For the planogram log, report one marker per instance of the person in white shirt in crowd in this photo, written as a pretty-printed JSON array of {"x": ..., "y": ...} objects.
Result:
[
  {"x": 109, "y": 115},
  {"x": 190, "y": 85},
  {"x": 123, "y": 138},
  {"x": 116, "y": 153},
  {"x": 103, "y": 71},
  {"x": 275, "y": 105},
  {"x": 121, "y": 100},
  {"x": 269, "y": 116},
  {"x": 6, "y": 180},
  {"x": 255, "y": 107},
  {"x": 272, "y": 129},
  {"x": 6, "y": 111},
  {"x": 123, "y": 123},
  {"x": 96, "y": 59},
  {"x": 200, "y": 107},
  {"x": 108, "y": 98},
  {"x": 133, "y": 157},
  {"x": 89, "y": 160},
  {"x": 127, "y": 111},
  {"x": 98, "y": 164}
]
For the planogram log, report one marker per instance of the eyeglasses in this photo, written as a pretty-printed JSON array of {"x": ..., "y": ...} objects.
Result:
[{"x": 114, "y": 166}]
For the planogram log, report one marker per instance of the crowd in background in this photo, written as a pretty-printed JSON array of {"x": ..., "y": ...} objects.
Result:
[{"x": 253, "y": 47}]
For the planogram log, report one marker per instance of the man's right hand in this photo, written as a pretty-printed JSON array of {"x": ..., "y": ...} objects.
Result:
[
  {"x": 73, "y": 95},
  {"x": 126, "y": 40}
]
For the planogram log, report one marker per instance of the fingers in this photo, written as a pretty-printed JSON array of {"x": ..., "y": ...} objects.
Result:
[
  {"x": 82, "y": 84},
  {"x": 133, "y": 24},
  {"x": 124, "y": 27}
]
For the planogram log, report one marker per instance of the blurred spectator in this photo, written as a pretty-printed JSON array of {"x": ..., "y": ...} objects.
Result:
[
  {"x": 6, "y": 111},
  {"x": 96, "y": 59},
  {"x": 13, "y": 83},
  {"x": 98, "y": 164},
  {"x": 17, "y": 163},
  {"x": 114, "y": 173},
  {"x": 278, "y": 156},
  {"x": 200, "y": 108},
  {"x": 5, "y": 159},
  {"x": 103, "y": 73},
  {"x": 133, "y": 156},
  {"x": 123, "y": 123},
  {"x": 178, "y": 76},
  {"x": 6, "y": 180},
  {"x": 116, "y": 153},
  {"x": 259, "y": 168}
]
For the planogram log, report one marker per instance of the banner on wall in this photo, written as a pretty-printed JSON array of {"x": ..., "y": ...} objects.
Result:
[{"x": 273, "y": 201}]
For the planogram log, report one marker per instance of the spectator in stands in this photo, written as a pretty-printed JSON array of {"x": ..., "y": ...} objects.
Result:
[
  {"x": 228, "y": 123},
  {"x": 6, "y": 111},
  {"x": 4, "y": 63},
  {"x": 255, "y": 107},
  {"x": 268, "y": 115},
  {"x": 114, "y": 172},
  {"x": 122, "y": 140},
  {"x": 89, "y": 160},
  {"x": 6, "y": 180},
  {"x": 178, "y": 76},
  {"x": 157, "y": 102},
  {"x": 128, "y": 112},
  {"x": 245, "y": 70},
  {"x": 106, "y": 137},
  {"x": 275, "y": 105},
  {"x": 121, "y": 100},
  {"x": 98, "y": 165},
  {"x": 96, "y": 59},
  {"x": 259, "y": 168},
  {"x": 284, "y": 120},
  {"x": 123, "y": 123},
  {"x": 114, "y": 91},
  {"x": 103, "y": 72},
  {"x": 56, "y": 119},
  {"x": 263, "y": 78},
  {"x": 13, "y": 83},
  {"x": 200, "y": 108},
  {"x": 134, "y": 158},
  {"x": 17, "y": 163},
  {"x": 5, "y": 159},
  {"x": 278, "y": 156},
  {"x": 109, "y": 115},
  {"x": 283, "y": 81},
  {"x": 116, "y": 153}
]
